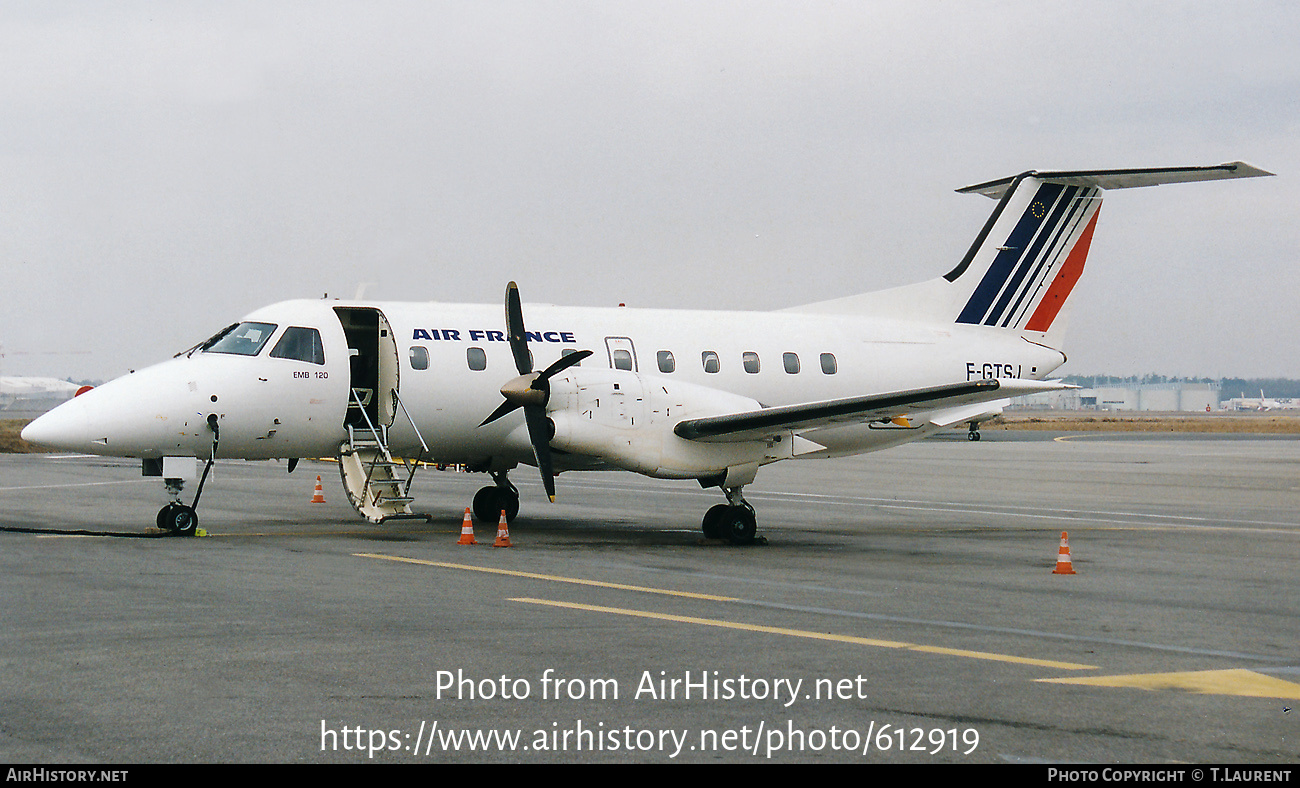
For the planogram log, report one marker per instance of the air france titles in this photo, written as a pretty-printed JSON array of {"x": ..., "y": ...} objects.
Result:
[{"x": 484, "y": 335}]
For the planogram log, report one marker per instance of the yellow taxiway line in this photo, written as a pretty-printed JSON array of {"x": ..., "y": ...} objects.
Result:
[{"x": 804, "y": 633}]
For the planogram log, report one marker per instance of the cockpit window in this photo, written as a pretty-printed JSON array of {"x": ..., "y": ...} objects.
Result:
[
  {"x": 245, "y": 339},
  {"x": 300, "y": 344}
]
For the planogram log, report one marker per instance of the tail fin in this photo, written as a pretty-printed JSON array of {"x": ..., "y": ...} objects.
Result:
[
  {"x": 1029, "y": 255},
  {"x": 1022, "y": 267}
]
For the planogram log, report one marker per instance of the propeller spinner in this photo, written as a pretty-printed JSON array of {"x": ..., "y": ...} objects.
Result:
[{"x": 531, "y": 390}]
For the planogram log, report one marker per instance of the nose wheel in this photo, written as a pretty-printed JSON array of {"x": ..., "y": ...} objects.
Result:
[{"x": 179, "y": 519}]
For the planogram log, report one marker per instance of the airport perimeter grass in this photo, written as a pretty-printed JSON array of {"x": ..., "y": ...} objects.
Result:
[
  {"x": 1056, "y": 421},
  {"x": 10, "y": 443}
]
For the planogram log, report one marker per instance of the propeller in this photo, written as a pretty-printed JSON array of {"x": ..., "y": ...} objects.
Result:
[{"x": 531, "y": 390}]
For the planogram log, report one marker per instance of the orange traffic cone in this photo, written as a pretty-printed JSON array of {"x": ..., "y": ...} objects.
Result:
[
  {"x": 503, "y": 533},
  {"x": 1063, "y": 564},
  {"x": 467, "y": 530},
  {"x": 319, "y": 497}
]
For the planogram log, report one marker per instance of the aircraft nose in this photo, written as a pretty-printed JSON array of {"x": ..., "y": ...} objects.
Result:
[{"x": 66, "y": 427}]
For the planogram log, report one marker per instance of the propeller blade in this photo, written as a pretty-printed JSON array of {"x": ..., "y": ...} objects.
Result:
[
  {"x": 515, "y": 330},
  {"x": 502, "y": 409},
  {"x": 531, "y": 390},
  {"x": 563, "y": 363},
  {"x": 539, "y": 432}
]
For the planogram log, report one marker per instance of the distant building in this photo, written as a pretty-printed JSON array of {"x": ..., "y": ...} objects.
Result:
[
  {"x": 1131, "y": 396},
  {"x": 23, "y": 397}
]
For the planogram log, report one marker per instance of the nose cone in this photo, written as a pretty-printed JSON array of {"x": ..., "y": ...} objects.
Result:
[
  {"x": 140, "y": 415},
  {"x": 66, "y": 427}
]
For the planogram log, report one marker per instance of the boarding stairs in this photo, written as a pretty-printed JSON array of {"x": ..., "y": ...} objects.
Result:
[{"x": 377, "y": 485}]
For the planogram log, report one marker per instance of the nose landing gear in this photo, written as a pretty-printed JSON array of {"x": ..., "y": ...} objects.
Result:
[{"x": 176, "y": 517}]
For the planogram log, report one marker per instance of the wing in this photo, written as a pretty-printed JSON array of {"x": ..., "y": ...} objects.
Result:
[{"x": 758, "y": 424}]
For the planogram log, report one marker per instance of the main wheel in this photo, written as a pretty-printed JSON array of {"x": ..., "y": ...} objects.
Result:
[
  {"x": 489, "y": 502},
  {"x": 739, "y": 524},
  {"x": 713, "y": 522}
]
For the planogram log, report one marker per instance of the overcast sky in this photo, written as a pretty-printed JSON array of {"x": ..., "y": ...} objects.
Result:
[{"x": 167, "y": 167}]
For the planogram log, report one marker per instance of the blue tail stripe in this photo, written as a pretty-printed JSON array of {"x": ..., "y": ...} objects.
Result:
[
  {"x": 1010, "y": 255},
  {"x": 1050, "y": 232},
  {"x": 1059, "y": 247}
]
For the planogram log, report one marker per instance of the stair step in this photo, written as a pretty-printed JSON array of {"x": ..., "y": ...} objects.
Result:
[{"x": 415, "y": 516}]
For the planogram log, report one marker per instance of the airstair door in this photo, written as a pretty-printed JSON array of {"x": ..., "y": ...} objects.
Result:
[{"x": 374, "y": 366}]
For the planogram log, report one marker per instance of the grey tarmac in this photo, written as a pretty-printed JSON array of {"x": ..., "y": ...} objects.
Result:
[{"x": 903, "y": 610}]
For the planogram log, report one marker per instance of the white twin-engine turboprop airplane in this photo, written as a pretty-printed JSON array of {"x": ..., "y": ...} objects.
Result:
[{"x": 709, "y": 396}]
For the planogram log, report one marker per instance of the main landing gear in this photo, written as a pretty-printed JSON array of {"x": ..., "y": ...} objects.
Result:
[
  {"x": 974, "y": 433},
  {"x": 734, "y": 521},
  {"x": 490, "y": 501}
]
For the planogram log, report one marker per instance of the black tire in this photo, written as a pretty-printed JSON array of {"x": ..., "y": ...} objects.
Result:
[
  {"x": 713, "y": 522},
  {"x": 183, "y": 521},
  {"x": 740, "y": 524},
  {"x": 489, "y": 503}
]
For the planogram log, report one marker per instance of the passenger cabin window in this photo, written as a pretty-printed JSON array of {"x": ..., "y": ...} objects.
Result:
[
  {"x": 300, "y": 344},
  {"x": 828, "y": 363},
  {"x": 477, "y": 358},
  {"x": 666, "y": 361},
  {"x": 419, "y": 357},
  {"x": 710, "y": 360},
  {"x": 623, "y": 360},
  {"x": 568, "y": 351},
  {"x": 751, "y": 362},
  {"x": 791, "y": 362},
  {"x": 245, "y": 339}
]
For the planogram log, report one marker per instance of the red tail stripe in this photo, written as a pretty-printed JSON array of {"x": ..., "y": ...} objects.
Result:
[{"x": 1064, "y": 282}]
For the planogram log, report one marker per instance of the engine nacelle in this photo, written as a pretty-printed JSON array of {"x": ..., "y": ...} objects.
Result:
[{"x": 626, "y": 419}]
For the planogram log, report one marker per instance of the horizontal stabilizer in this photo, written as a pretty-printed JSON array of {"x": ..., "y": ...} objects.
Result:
[
  {"x": 759, "y": 424},
  {"x": 1121, "y": 179}
]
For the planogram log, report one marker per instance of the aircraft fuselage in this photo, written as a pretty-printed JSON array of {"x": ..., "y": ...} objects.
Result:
[{"x": 448, "y": 361}]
